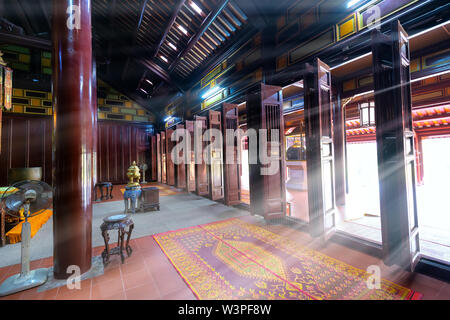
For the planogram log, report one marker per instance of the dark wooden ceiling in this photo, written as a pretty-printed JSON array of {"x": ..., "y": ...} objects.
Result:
[{"x": 149, "y": 48}]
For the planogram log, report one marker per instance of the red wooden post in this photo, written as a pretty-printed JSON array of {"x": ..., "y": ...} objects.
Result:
[{"x": 74, "y": 119}]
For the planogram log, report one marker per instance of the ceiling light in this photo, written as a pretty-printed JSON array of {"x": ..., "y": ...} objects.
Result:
[
  {"x": 149, "y": 81},
  {"x": 196, "y": 7},
  {"x": 144, "y": 91},
  {"x": 183, "y": 29},
  {"x": 164, "y": 59},
  {"x": 351, "y": 3},
  {"x": 172, "y": 46}
]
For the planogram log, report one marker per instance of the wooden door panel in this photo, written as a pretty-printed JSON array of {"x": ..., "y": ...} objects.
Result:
[
  {"x": 180, "y": 169},
  {"x": 267, "y": 192},
  {"x": 395, "y": 144},
  {"x": 190, "y": 167},
  {"x": 215, "y": 167},
  {"x": 158, "y": 157},
  {"x": 170, "y": 165},
  {"x": 153, "y": 156},
  {"x": 231, "y": 172},
  {"x": 163, "y": 158},
  {"x": 201, "y": 170},
  {"x": 320, "y": 150}
]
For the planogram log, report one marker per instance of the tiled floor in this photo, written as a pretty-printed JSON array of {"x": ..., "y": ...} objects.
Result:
[
  {"x": 148, "y": 274},
  {"x": 177, "y": 210}
]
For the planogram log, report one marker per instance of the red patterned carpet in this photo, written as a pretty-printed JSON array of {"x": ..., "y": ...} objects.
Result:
[{"x": 233, "y": 259}]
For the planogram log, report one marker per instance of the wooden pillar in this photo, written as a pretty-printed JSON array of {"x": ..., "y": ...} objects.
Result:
[{"x": 74, "y": 123}]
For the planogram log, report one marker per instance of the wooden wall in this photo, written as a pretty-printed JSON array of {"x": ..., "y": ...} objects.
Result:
[
  {"x": 119, "y": 144},
  {"x": 26, "y": 141}
]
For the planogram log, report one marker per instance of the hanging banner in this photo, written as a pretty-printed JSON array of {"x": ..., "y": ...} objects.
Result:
[{"x": 8, "y": 89}]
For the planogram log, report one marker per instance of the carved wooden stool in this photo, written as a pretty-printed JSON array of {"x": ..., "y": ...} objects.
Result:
[
  {"x": 109, "y": 188},
  {"x": 117, "y": 222}
]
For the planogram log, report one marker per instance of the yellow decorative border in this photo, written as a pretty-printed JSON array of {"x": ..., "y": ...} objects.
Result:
[{"x": 352, "y": 18}]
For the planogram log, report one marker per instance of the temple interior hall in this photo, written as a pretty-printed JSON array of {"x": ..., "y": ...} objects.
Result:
[{"x": 224, "y": 150}]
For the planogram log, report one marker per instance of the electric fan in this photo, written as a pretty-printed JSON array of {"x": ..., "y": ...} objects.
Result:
[
  {"x": 143, "y": 168},
  {"x": 28, "y": 199}
]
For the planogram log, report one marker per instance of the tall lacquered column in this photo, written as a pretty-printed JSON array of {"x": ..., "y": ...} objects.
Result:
[{"x": 74, "y": 123}]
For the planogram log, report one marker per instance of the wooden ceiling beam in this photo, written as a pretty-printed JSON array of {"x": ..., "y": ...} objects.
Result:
[
  {"x": 156, "y": 69},
  {"x": 203, "y": 27},
  {"x": 44, "y": 9},
  {"x": 23, "y": 18},
  {"x": 168, "y": 26},
  {"x": 112, "y": 10},
  {"x": 136, "y": 32},
  {"x": 26, "y": 41}
]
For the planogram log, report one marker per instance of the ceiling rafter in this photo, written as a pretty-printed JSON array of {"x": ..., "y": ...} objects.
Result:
[
  {"x": 23, "y": 18},
  {"x": 203, "y": 27},
  {"x": 44, "y": 9},
  {"x": 160, "y": 72},
  {"x": 112, "y": 10},
  {"x": 169, "y": 26},
  {"x": 135, "y": 33}
]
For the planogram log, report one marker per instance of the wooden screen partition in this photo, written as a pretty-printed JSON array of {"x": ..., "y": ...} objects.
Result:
[
  {"x": 231, "y": 150},
  {"x": 158, "y": 157},
  {"x": 201, "y": 172},
  {"x": 215, "y": 157},
  {"x": 153, "y": 158},
  {"x": 320, "y": 151},
  {"x": 190, "y": 167},
  {"x": 267, "y": 189},
  {"x": 180, "y": 169},
  {"x": 170, "y": 164},
  {"x": 395, "y": 145},
  {"x": 163, "y": 158}
]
